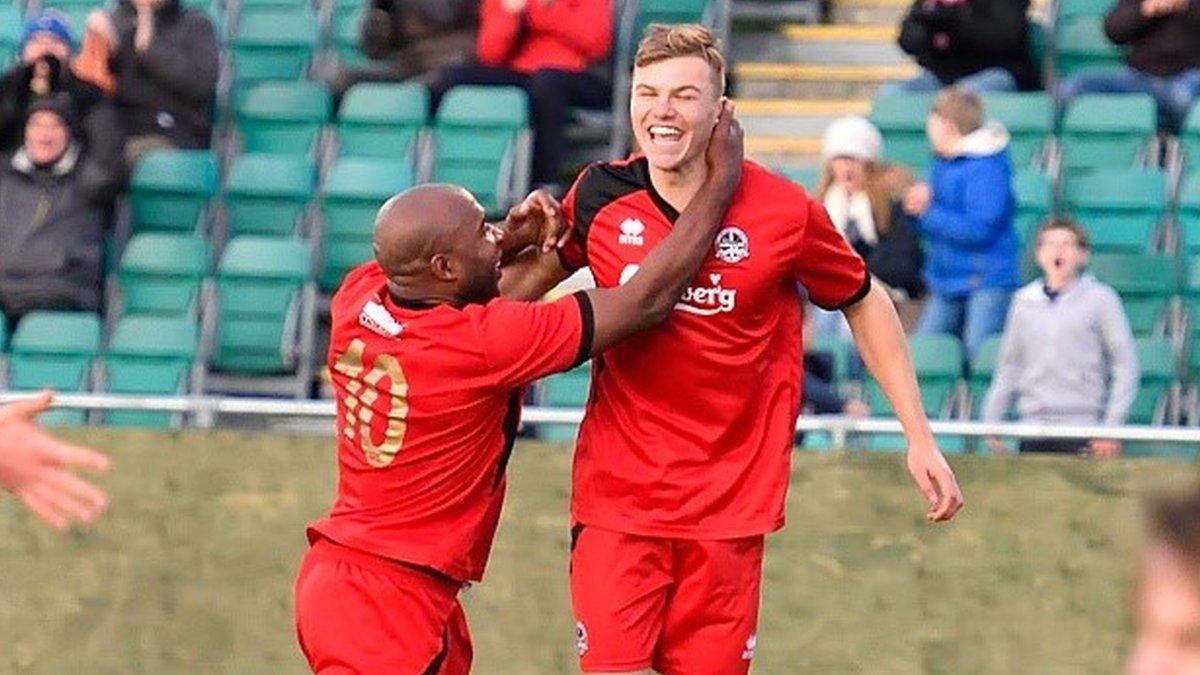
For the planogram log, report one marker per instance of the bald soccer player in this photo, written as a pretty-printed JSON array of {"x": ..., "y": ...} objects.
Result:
[{"x": 429, "y": 365}]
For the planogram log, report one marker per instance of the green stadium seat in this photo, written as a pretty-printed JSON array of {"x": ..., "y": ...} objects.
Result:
[
  {"x": 565, "y": 390},
  {"x": 161, "y": 274},
  {"x": 938, "y": 362},
  {"x": 1156, "y": 360},
  {"x": 171, "y": 189},
  {"x": 805, "y": 176},
  {"x": 1145, "y": 282},
  {"x": 259, "y": 286},
  {"x": 1029, "y": 118},
  {"x": 1107, "y": 130},
  {"x": 149, "y": 355},
  {"x": 983, "y": 367},
  {"x": 284, "y": 117},
  {"x": 1081, "y": 44},
  {"x": 356, "y": 188},
  {"x": 55, "y": 350},
  {"x": 837, "y": 347},
  {"x": 269, "y": 194},
  {"x": 670, "y": 11},
  {"x": 344, "y": 34},
  {"x": 1034, "y": 193},
  {"x": 382, "y": 120},
  {"x": 481, "y": 142},
  {"x": 271, "y": 5},
  {"x": 271, "y": 44},
  {"x": 3, "y": 335},
  {"x": 1120, "y": 207},
  {"x": 1071, "y": 9},
  {"x": 10, "y": 33},
  {"x": 1189, "y": 138},
  {"x": 901, "y": 121},
  {"x": 1189, "y": 212}
]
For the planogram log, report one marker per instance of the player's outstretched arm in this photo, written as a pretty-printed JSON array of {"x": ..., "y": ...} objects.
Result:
[
  {"x": 880, "y": 339},
  {"x": 36, "y": 467},
  {"x": 647, "y": 298}
]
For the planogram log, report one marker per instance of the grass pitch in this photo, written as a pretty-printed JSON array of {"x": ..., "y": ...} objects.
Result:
[{"x": 191, "y": 570}]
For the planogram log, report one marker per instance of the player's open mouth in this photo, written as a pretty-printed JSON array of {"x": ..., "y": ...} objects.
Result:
[{"x": 663, "y": 134}]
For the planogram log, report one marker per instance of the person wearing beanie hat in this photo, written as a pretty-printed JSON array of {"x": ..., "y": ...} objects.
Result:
[
  {"x": 862, "y": 194},
  {"x": 44, "y": 71}
]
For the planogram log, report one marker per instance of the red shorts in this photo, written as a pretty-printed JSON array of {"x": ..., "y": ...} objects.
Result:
[
  {"x": 359, "y": 613},
  {"x": 679, "y": 606}
]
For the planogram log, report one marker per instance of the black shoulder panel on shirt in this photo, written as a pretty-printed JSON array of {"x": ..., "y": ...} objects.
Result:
[{"x": 601, "y": 184}]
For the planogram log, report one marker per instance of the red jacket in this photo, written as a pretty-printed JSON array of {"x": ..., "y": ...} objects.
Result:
[{"x": 561, "y": 34}]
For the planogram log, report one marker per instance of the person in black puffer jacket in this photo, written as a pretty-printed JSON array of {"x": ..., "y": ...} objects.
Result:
[
  {"x": 164, "y": 58},
  {"x": 978, "y": 45},
  {"x": 51, "y": 218},
  {"x": 1163, "y": 37}
]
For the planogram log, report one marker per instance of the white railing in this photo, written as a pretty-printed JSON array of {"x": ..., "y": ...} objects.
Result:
[{"x": 204, "y": 409}]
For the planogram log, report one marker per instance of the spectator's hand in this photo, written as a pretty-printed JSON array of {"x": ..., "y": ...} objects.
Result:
[
  {"x": 1154, "y": 8},
  {"x": 143, "y": 34},
  {"x": 917, "y": 199},
  {"x": 536, "y": 221},
  {"x": 997, "y": 446},
  {"x": 935, "y": 479},
  {"x": 45, "y": 72},
  {"x": 513, "y": 6},
  {"x": 35, "y": 468},
  {"x": 100, "y": 22},
  {"x": 856, "y": 408},
  {"x": 726, "y": 151},
  {"x": 1103, "y": 447}
]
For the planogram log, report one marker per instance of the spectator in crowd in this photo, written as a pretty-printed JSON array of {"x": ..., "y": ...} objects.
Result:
[
  {"x": 44, "y": 70},
  {"x": 551, "y": 48},
  {"x": 410, "y": 39},
  {"x": 51, "y": 218},
  {"x": 36, "y": 468},
  {"x": 978, "y": 45},
  {"x": 1162, "y": 38},
  {"x": 1166, "y": 602},
  {"x": 164, "y": 61},
  {"x": 965, "y": 214},
  {"x": 820, "y": 395},
  {"x": 1067, "y": 352}
]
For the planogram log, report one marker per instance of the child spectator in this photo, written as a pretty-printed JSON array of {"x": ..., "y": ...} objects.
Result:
[{"x": 1067, "y": 352}]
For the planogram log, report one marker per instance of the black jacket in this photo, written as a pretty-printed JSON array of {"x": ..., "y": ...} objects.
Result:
[
  {"x": 982, "y": 34},
  {"x": 419, "y": 36},
  {"x": 99, "y": 128},
  {"x": 169, "y": 89},
  {"x": 51, "y": 234},
  {"x": 1162, "y": 46}
]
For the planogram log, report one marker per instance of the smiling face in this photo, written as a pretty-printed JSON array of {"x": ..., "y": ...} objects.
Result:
[
  {"x": 674, "y": 106},
  {"x": 46, "y": 138}
]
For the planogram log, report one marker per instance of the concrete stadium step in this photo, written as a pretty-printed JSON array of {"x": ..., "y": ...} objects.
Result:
[
  {"x": 870, "y": 11},
  {"x": 767, "y": 79},
  {"x": 789, "y": 118},
  {"x": 871, "y": 44},
  {"x": 777, "y": 152}
]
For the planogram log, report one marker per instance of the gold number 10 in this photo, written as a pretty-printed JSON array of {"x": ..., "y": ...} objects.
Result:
[{"x": 361, "y": 394}]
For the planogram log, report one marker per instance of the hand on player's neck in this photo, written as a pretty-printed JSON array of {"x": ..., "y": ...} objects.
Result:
[{"x": 679, "y": 186}]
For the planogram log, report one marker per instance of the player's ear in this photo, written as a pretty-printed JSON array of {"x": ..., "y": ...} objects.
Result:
[{"x": 443, "y": 267}]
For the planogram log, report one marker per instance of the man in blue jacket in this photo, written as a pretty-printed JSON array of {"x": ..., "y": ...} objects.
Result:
[{"x": 965, "y": 214}]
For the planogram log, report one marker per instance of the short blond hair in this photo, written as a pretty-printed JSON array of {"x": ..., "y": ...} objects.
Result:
[
  {"x": 961, "y": 108},
  {"x": 663, "y": 42}
]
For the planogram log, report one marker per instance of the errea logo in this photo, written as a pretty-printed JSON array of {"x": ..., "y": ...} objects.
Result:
[{"x": 631, "y": 233}]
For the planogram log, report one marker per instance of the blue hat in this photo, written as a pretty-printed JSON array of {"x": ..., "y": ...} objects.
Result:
[{"x": 49, "y": 21}]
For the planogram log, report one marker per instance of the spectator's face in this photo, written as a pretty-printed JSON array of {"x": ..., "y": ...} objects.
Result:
[
  {"x": 46, "y": 138},
  {"x": 1059, "y": 254},
  {"x": 1166, "y": 617},
  {"x": 674, "y": 106},
  {"x": 943, "y": 135},
  {"x": 850, "y": 173},
  {"x": 45, "y": 44}
]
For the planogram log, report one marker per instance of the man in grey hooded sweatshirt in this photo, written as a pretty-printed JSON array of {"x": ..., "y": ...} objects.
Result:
[{"x": 1066, "y": 336}]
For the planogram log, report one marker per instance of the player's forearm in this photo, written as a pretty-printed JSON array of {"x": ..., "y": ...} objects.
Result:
[
  {"x": 880, "y": 339},
  {"x": 531, "y": 274}
]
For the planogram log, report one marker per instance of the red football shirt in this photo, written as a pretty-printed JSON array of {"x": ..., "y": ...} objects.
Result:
[
  {"x": 428, "y": 404},
  {"x": 689, "y": 426}
]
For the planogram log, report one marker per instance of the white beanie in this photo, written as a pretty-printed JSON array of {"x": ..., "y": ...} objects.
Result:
[{"x": 852, "y": 137}]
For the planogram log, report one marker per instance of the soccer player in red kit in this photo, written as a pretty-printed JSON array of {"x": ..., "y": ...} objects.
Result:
[
  {"x": 682, "y": 461},
  {"x": 428, "y": 365}
]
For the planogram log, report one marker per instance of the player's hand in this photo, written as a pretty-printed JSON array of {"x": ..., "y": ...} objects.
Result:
[
  {"x": 936, "y": 481},
  {"x": 36, "y": 467},
  {"x": 725, "y": 151},
  {"x": 1104, "y": 447},
  {"x": 997, "y": 446},
  {"x": 537, "y": 221}
]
